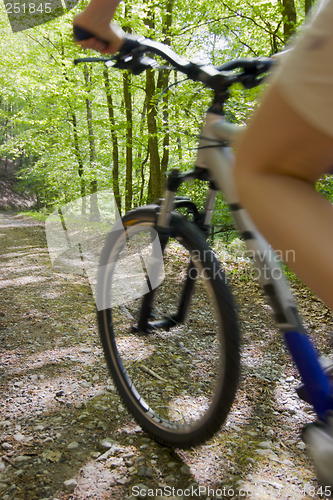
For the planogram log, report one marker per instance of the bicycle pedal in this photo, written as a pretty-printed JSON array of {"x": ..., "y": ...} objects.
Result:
[
  {"x": 136, "y": 330},
  {"x": 319, "y": 437},
  {"x": 327, "y": 365}
]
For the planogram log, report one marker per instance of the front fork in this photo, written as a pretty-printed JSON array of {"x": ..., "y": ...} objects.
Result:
[{"x": 146, "y": 321}]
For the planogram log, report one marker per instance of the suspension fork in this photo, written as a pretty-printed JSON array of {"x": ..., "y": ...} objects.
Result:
[
  {"x": 190, "y": 280},
  {"x": 189, "y": 283},
  {"x": 146, "y": 322},
  {"x": 163, "y": 222}
]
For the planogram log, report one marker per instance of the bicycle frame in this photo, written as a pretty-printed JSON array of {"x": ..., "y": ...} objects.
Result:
[
  {"x": 215, "y": 156},
  {"x": 214, "y": 164}
]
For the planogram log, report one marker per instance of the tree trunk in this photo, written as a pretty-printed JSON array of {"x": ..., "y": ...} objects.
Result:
[
  {"x": 289, "y": 18},
  {"x": 154, "y": 191},
  {"x": 94, "y": 211},
  {"x": 166, "y": 138},
  {"x": 129, "y": 139},
  {"x": 212, "y": 234},
  {"x": 114, "y": 138},
  {"x": 80, "y": 163},
  {"x": 149, "y": 194},
  {"x": 307, "y": 6},
  {"x": 142, "y": 128},
  {"x": 143, "y": 176},
  {"x": 178, "y": 140},
  {"x": 154, "y": 184},
  {"x": 39, "y": 205},
  {"x": 162, "y": 84}
]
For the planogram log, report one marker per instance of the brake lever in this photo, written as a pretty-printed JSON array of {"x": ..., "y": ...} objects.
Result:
[
  {"x": 93, "y": 59},
  {"x": 135, "y": 65},
  {"x": 251, "y": 78},
  {"x": 250, "y": 81},
  {"x": 264, "y": 64},
  {"x": 128, "y": 56}
]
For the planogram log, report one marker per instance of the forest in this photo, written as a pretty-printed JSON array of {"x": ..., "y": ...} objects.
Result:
[
  {"x": 68, "y": 132},
  {"x": 74, "y": 130}
]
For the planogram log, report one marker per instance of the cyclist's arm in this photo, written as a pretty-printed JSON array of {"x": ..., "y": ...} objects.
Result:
[{"x": 95, "y": 19}]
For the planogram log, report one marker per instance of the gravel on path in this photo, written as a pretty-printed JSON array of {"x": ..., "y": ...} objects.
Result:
[{"x": 64, "y": 432}]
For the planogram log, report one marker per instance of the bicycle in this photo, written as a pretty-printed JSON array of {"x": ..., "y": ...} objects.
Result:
[{"x": 184, "y": 402}]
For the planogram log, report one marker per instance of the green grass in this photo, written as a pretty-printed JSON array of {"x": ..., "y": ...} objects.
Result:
[
  {"x": 34, "y": 215},
  {"x": 290, "y": 274}
]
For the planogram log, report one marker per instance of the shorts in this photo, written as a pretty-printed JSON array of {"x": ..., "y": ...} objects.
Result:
[{"x": 305, "y": 75}]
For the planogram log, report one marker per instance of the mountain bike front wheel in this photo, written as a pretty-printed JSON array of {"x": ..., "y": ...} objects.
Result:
[{"x": 172, "y": 343}]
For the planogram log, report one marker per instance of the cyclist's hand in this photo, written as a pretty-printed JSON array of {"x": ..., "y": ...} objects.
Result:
[{"x": 107, "y": 38}]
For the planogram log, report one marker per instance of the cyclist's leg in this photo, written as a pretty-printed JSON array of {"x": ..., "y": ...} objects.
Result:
[{"x": 279, "y": 158}]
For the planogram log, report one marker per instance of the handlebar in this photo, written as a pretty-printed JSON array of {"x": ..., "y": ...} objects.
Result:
[{"x": 132, "y": 57}]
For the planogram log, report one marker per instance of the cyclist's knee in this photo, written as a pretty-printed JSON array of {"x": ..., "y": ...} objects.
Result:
[{"x": 280, "y": 142}]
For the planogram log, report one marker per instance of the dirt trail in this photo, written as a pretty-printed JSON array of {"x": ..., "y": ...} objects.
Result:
[{"x": 59, "y": 412}]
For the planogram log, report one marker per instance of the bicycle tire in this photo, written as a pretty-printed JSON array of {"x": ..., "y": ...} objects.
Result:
[{"x": 185, "y": 404}]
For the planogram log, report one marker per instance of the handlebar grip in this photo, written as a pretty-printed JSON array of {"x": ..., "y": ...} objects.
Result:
[
  {"x": 261, "y": 64},
  {"x": 91, "y": 59},
  {"x": 130, "y": 42},
  {"x": 82, "y": 34}
]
